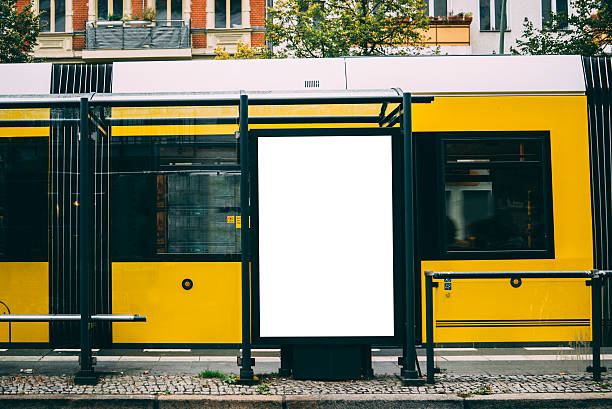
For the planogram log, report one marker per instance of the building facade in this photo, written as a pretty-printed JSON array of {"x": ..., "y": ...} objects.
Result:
[
  {"x": 485, "y": 21},
  {"x": 92, "y": 30}
]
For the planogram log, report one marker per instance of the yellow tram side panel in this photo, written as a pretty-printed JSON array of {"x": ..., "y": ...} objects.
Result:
[
  {"x": 25, "y": 285},
  {"x": 229, "y": 111},
  {"x": 24, "y": 290},
  {"x": 24, "y": 114},
  {"x": 523, "y": 314},
  {"x": 209, "y": 312}
]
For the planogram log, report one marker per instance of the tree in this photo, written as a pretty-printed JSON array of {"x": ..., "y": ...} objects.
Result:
[
  {"x": 243, "y": 52},
  {"x": 586, "y": 31},
  {"x": 333, "y": 28},
  {"x": 18, "y": 32}
]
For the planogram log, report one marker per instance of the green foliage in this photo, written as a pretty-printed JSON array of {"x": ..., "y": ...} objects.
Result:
[
  {"x": 149, "y": 14},
  {"x": 243, "y": 51},
  {"x": 263, "y": 390},
  {"x": 333, "y": 28},
  {"x": 586, "y": 31},
  {"x": 114, "y": 17},
  {"x": 18, "y": 32},
  {"x": 211, "y": 374}
]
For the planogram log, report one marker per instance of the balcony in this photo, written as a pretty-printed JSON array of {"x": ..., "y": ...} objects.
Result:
[
  {"x": 449, "y": 31},
  {"x": 137, "y": 39}
]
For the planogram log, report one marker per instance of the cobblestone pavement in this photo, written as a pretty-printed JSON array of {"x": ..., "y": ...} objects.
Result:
[{"x": 456, "y": 384}]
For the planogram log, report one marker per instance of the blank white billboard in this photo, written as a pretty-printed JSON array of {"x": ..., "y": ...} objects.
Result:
[{"x": 325, "y": 236}]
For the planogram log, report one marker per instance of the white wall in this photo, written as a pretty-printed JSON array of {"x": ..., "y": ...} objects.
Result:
[{"x": 487, "y": 42}]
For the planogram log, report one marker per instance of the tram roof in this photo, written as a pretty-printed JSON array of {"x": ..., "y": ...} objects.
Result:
[{"x": 422, "y": 75}]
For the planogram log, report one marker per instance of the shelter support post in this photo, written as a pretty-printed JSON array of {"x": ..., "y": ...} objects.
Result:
[
  {"x": 86, "y": 374},
  {"x": 429, "y": 325},
  {"x": 409, "y": 374},
  {"x": 596, "y": 284},
  {"x": 245, "y": 361}
]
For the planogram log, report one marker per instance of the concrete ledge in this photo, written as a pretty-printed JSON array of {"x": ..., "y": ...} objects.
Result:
[
  {"x": 375, "y": 401},
  {"x": 220, "y": 402},
  {"x": 366, "y": 401},
  {"x": 74, "y": 402},
  {"x": 541, "y": 400}
]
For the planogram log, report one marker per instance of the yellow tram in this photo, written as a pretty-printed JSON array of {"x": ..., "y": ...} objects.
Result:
[{"x": 505, "y": 180}]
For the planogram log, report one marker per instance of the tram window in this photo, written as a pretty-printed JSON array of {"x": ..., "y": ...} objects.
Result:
[
  {"x": 23, "y": 199},
  {"x": 493, "y": 191},
  {"x": 495, "y": 197},
  {"x": 183, "y": 198}
]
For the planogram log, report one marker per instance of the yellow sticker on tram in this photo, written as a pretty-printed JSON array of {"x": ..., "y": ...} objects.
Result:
[
  {"x": 238, "y": 222},
  {"x": 230, "y": 219}
]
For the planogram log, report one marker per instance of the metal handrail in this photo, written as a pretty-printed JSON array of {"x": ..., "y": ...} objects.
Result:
[{"x": 594, "y": 280}]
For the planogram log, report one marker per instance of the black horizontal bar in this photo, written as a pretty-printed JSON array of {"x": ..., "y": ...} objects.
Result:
[
  {"x": 40, "y": 103},
  {"x": 171, "y": 121},
  {"x": 509, "y": 274},
  {"x": 70, "y": 317},
  {"x": 234, "y": 120},
  {"x": 24, "y": 123},
  {"x": 100, "y": 101}
]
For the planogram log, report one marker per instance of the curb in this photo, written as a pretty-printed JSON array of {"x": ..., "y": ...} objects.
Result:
[{"x": 366, "y": 401}]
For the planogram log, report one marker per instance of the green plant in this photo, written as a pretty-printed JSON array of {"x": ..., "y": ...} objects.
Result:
[
  {"x": 263, "y": 389},
  {"x": 482, "y": 390},
  {"x": 114, "y": 17},
  {"x": 149, "y": 14},
  {"x": 211, "y": 374},
  {"x": 229, "y": 379}
]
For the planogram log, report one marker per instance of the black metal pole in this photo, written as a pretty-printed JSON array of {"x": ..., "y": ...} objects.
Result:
[
  {"x": 409, "y": 373},
  {"x": 86, "y": 375},
  {"x": 246, "y": 372},
  {"x": 429, "y": 328},
  {"x": 596, "y": 325}
]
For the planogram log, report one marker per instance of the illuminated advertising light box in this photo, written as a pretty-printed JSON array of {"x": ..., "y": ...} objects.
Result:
[{"x": 325, "y": 236}]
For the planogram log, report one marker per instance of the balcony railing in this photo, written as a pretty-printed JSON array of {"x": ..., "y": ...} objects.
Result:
[{"x": 119, "y": 35}]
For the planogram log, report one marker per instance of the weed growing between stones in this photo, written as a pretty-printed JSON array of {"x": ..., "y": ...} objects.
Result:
[{"x": 211, "y": 374}]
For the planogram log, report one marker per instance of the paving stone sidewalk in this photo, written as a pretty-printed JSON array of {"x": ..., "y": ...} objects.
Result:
[{"x": 453, "y": 384}]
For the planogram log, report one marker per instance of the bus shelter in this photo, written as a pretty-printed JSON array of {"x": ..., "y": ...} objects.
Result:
[{"x": 322, "y": 217}]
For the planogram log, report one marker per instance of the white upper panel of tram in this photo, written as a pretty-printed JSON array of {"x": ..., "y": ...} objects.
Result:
[
  {"x": 432, "y": 75},
  {"x": 25, "y": 79}
]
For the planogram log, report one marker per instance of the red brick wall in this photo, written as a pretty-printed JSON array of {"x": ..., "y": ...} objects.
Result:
[
  {"x": 137, "y": 8},
  {"x": 258, "y": 39},
  {"x": 79, "y": 18},
  {"x": 22, "y": 3},
  {"x": 258, "y": 13},
  {"x": 198, "y": 20}
]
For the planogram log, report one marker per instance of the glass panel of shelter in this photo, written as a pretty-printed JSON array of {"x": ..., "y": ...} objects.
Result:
[{"x": 175, "y": 195}]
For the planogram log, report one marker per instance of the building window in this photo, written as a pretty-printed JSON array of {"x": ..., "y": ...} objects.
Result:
[
  {"x": 23, "y": 198},
  {"x": 110, "y": 9},
  {"x": 436, "y": 8},
  {"x": 52, "y": 16},
  {"x": 228, "y": 13},
  {"x": 557, "y": 7},
  {"x": 169, "y": 10},
  {"x": 175, "y": 198},
  {"x": 490, "y": 15}
]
